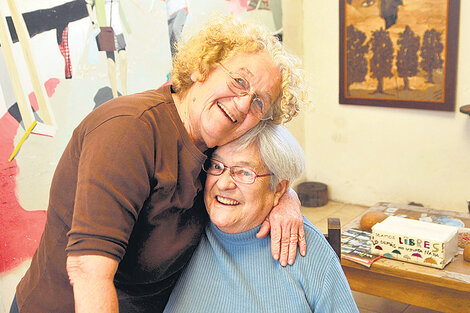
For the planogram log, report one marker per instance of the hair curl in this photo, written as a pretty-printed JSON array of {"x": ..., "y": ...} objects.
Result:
[{"x": 224, "y": 37}]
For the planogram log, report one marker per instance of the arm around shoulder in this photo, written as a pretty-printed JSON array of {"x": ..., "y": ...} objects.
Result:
[
  {"x": 285, "y": 222},
  {"x": 91, "y": 277}
]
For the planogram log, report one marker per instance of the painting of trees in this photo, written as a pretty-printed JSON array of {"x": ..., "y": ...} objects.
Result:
[
  {"x": 431, "y": 50},
  {"x": 408, "y": 63},
  {"x": 407, "y": 56},
  {"x": 381, "y": 62},
  {"x": 356, "y": 60}
]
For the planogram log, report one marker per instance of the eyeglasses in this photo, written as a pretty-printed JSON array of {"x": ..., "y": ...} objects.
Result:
[
  {"x": 239, "y": 174},
  {"x": 241, "y": 87}
]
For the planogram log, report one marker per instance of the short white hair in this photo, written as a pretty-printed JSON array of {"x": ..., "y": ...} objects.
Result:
[{"x": 279, "y": 150}]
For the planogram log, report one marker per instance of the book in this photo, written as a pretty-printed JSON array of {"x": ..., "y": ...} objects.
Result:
[{"x": 355, "y": 246}]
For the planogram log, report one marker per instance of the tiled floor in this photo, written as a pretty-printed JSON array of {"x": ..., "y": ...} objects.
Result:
[{"x": 346, "y": 212}]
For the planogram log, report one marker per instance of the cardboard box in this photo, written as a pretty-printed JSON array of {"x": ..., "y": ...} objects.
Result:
[{"x": 415, "y": 241}]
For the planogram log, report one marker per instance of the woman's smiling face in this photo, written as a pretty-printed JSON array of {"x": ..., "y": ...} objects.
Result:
[
  {"x": 236, "y": 207},
  {"x": 217, "y": 115}
]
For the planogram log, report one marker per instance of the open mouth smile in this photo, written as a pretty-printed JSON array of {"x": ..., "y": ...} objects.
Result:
[
  {"x": 227, "y": 113},
  {"x": 226, "y": 201}
]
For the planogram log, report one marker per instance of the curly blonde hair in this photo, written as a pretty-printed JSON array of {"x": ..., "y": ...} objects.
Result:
[{"x": 224, "y": 37}]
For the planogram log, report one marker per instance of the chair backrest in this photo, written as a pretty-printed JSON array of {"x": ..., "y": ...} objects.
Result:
[{"x": 334, "y": 234}]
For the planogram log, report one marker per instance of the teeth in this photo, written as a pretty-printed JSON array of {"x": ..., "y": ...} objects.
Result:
[
  {"x": 227, "y": 112},
  {"x": 226, "y": 201}
]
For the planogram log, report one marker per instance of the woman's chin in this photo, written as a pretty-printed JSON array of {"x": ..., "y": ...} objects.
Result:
[{"x": 223, "y": 224}]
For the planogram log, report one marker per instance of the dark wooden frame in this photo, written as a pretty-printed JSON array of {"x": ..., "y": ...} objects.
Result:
[
  {"x": 334, "y": 235},
  {"x": 442, "y": 101}
]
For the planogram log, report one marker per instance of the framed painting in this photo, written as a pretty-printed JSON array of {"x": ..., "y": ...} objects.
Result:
[{"x": 399, "y": 53}]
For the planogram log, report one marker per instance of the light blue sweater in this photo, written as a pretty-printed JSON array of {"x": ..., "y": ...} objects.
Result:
[{"x": 236, "y": 273}]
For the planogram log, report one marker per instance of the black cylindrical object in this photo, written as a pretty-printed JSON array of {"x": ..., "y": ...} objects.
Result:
[{"x": 312, "y": 194}]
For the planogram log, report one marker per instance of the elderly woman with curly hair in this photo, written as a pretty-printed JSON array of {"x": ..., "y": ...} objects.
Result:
[{"x": 122, "y": 221}]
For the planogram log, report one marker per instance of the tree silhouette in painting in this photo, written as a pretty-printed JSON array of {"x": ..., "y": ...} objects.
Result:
[
  {"x": 431, "y": 50},
  {"x": 381, "y": 62},
  {"x": 356, "y": 60},
  {"x": 407, "y": 56}
]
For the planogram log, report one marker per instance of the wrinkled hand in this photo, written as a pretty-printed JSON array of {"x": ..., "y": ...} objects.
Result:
[{"x": 287, "y": 229}]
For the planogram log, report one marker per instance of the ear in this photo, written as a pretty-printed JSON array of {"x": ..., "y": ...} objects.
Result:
[
  {"x": 195, "y": 76},
  {"x": 279, "y": 190}
]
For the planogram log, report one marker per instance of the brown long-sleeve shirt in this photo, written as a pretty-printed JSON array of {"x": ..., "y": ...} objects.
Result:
[{"x": 124, "y": 188}]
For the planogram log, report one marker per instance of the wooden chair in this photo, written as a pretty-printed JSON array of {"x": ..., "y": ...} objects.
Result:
[{"x": 334, "y": 234}]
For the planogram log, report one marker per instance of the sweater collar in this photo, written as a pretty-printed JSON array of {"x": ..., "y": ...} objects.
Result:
[{"x": 246, "y": 237}]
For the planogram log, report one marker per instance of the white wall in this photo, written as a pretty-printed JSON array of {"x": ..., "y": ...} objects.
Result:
[{"x": 371, "y": 154}]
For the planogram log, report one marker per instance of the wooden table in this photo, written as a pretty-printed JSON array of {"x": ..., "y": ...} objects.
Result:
[{"x": 446, "y": 290}]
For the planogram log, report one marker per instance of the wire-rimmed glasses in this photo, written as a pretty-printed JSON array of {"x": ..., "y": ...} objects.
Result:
[
  {"x": 239, "y": 174},
  {"x": 241, "y": 87}
]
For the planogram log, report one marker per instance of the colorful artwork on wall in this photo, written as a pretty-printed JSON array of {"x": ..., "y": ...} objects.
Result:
[
  {"x": 58, "y": 34},
  {"x": 21, "y": 229}
]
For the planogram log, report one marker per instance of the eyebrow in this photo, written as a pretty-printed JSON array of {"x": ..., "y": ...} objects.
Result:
[{"x": 241, "y": 163}]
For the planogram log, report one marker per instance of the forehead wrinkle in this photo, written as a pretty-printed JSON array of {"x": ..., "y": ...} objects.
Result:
[{"x": 249, "y": 164}]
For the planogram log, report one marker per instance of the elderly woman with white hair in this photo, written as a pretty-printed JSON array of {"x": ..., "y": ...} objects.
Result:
[{"x": 231, "y": 270}]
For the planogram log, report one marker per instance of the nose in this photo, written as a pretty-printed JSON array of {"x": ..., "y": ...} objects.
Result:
[
  {"x": 243, "y": 102},
  {"x": 225, "y": 181}
]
